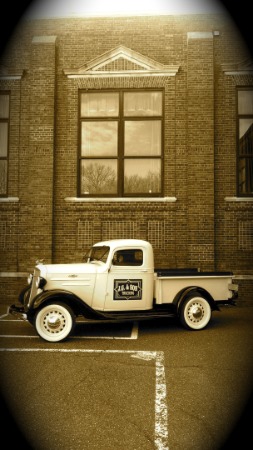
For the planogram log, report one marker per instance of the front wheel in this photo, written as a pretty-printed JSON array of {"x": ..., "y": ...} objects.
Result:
[
  {"x": 195, "y": 313},
  {"x": 54, "y": 322}
]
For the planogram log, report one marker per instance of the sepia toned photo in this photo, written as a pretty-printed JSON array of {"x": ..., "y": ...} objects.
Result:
[{"x": 126, "y": 226}]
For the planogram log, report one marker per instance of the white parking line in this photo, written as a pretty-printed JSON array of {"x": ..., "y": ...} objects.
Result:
[
  {"x": 134, "y": 334},
  {"x": 3, "y": 315},
  {"x": 161, "y": 412}
]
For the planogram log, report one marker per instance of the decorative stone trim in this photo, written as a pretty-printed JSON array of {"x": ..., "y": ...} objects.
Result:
[
  {"x": 5, "y": 74},
  {"x": 10, "y": 77},
  {"x": 43, "y": 39},
  {"x": 200, "y": 35},
  {"x": 9, "y": 199},
  {"x": 14, "y": 274},
  {"x": 242, "y": 68},
  {"x": 238, "y": 199},
  {"x": 244, "y": 277},
  {"x": 109, "y": 65},
  {"x": 120, "y": 199}
]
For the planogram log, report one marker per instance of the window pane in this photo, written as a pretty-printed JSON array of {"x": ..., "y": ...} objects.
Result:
[
  {"x": 246, "y": 176},
  {"x": 143, "y": 103},
  {"x": 98, "y": 176},
  {"x": 130, "y": 257},
  {"x": 142, "y": 176},
  {"x": 143, "y": 138},
  {"x": 3, "y": 177},
  {"x": 99, "y": 253},
  {"x": 3, "y": 139},
  {"x": 99, "y": 138},
  {"x": 245, "y": 102},
  {"x": 4, "y": 106},
  {"x": 102, "y": 104},
  {"x": 246, "y": 137}
]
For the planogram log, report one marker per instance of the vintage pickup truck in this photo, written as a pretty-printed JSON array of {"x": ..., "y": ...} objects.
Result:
[{"x": 118, "y": 281}]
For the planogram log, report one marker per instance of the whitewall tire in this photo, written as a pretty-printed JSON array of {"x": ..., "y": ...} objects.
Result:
[
  {"x": 54, "y": 322},
  {"x": 195, "y": 312}
]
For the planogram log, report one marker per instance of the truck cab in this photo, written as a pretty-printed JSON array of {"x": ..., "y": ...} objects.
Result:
[{"x": 128, "y": 277}]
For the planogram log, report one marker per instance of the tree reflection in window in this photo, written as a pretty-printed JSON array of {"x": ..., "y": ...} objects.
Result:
[
  {"x": 98, "y": 177},
  {"x": 148, "y": 180}
]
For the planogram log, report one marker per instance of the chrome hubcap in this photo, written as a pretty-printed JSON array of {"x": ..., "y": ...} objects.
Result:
[
  {"x": 54, "y": 322},
  {"x": 195, "y": 312}
]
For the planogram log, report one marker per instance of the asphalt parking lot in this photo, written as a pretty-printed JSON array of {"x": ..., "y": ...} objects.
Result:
[{"x": 142, "y": 386}]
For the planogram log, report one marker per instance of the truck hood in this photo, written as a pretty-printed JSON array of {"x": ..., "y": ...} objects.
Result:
[{"x": 70, "y": 269}]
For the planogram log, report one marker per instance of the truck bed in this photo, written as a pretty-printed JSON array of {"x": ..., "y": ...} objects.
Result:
[{"x": 168, "y": 282}]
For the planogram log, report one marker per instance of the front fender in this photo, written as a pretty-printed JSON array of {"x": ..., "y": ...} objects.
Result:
[
  {"x": 77, "y": 305},
  {"x": 24, "y": 295}
]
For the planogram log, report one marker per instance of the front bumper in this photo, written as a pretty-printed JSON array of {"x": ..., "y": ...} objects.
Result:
[{"x": 18, "y": 311}]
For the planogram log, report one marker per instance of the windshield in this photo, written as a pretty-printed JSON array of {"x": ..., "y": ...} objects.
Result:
[{"x": 98, "y": 254}]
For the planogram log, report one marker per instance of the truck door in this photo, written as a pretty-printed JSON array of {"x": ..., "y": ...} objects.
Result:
[{"x": 127, "y": 281}]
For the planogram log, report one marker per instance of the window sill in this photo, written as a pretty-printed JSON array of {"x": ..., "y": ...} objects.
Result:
[
  {"x": 244, "y": 277},
  {"x": 14, "y": 274},
  {"x": 238, "y": 199},
  {"x": 9, "y": 199},
  {"x": 120, "y": 199}
]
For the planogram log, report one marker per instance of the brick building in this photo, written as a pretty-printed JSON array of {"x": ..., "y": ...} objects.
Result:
[{"x": 133, "y": 127}]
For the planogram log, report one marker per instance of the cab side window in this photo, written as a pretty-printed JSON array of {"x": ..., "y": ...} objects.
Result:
[{"x": 132, "y": 257}]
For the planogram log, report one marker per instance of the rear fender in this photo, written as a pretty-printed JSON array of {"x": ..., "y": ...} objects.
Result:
[{"x": 194, "y": 290}]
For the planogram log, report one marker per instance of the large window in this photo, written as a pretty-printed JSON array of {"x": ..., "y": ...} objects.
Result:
[
  {"x": 4, "y": 132},
  {"x": 245, "y": 142},
  {"x": 121, "y": 143}
]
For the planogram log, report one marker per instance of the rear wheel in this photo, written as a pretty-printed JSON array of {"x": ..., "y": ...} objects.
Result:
[
  {"x": 54, "y": 322},
  {"x": 195, "y": 312}
]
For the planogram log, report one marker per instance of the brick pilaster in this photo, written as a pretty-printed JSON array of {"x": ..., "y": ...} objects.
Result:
[
  {"x": 37, "y": 192},
  {"x": 200, "y": 129}
]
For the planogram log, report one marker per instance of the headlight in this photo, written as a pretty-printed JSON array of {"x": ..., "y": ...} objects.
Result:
[
  {"x": 40, "y": 283},
  {"x": 29, "y": 279}
]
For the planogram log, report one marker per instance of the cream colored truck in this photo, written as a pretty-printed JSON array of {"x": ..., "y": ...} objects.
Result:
[{"x": 118, "y": 281}]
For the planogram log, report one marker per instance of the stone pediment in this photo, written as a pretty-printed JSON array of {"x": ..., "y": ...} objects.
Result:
[
  {"x": 242, "y": 68},
  {"x": 122, "y": 61},
  {"x": 7, "y": 74}
]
